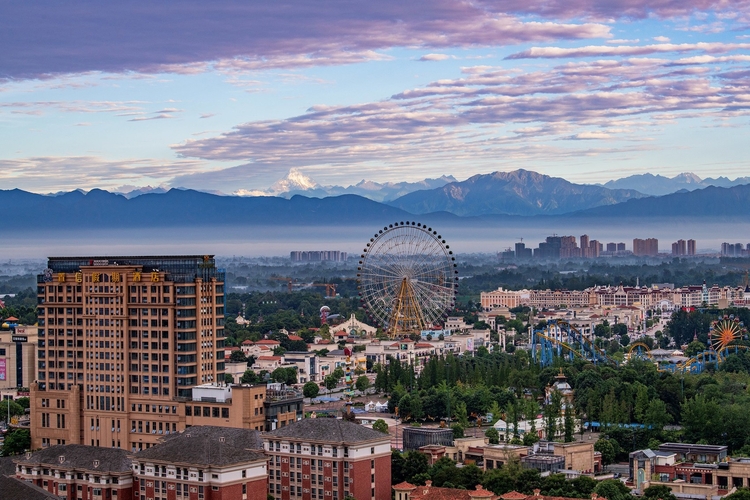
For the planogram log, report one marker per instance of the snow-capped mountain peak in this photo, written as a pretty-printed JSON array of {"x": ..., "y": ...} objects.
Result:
[{"x": 295, "y": 180}]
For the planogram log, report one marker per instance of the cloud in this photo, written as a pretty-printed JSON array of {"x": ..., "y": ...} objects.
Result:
[
  {"x": 488, "y": 113},
  {"x": 190, "y": 37},
  {"x": 66, "y": 173},
  {"x": 623, "y": 50},
  {"x": 661, "y": 39},
  {"x": 435, "y": 57},
  {"x": 207, "y": 115}
]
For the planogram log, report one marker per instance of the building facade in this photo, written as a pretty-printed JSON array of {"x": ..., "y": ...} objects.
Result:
[
  {"x": 79, "y": 472},
  {"x": 328, "y": 459},
  {"x": 18, "y": 348},
  {"x": 206, "y": 463},
  {"x": 119, "y": 340}
]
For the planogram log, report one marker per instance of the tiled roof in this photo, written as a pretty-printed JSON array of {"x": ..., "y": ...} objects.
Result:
[
  {"x": 78, "y": 456},
  {"x": 295, "y": 337},
  {"x": 269, "y": 358},
  {"x": 327, "y": 430},
  {"x": 434, "y": 493},
  {"x": 513, "y": 495},
  {"x": 18, "y": 489},
  {"x": 404, "y": 486},
  {"x": 268, "y": 342},
  {"x": 207, "y": 445}
]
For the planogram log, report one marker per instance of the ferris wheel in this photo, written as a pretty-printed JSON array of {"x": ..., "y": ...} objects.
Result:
[
  {"x": 407, "y": 278},
  {"x": 726, "y": 331}
]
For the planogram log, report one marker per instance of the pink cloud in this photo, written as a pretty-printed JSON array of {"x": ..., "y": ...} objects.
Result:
[
  {"x": 482, "y": 115},
  {"x": 54, "y": 38},
  {"x": 625, "y": 50}
]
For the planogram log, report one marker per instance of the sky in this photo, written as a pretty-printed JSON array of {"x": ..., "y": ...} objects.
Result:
[{"x": 229, "y": 96}]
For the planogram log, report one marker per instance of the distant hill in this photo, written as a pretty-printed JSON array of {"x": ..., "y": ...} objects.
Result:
[
  {"x": 659, "y": 185},
  {"x": 707, "y": 202},
  {"x": 514, "y": 193},
  {"x": 99, "y": 209}
]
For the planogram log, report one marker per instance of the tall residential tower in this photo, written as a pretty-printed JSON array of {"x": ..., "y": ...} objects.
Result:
[{"x": 122, "y": 338}]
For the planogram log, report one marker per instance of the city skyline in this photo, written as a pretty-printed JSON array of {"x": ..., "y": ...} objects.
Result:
[{"x": 230, "y": 97}]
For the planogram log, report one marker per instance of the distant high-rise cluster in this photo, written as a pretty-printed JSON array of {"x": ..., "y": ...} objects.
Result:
[
  {"x": 735, "y": 250},
  {"x": 565, "y": 247},
  {"x": 682, "y": 247},
  {"x": 649, "y": 246},
  {"x": 318, "y": 256}
]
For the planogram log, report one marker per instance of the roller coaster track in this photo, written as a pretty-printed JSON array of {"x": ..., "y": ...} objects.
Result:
[{"x": 546, "y": 344}]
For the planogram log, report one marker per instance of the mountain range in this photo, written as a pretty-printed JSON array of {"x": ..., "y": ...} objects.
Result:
[
  {"x": 298, "y": 183},
  {"x": 476, "y": 201},
  {"x": 520, "y": 192},
  {"x": 658, "y": 185}
]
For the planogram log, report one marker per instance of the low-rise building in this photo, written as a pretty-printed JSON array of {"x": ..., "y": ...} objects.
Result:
[
  {"x": 211, "y": 463},
  {"x": 328, "y": 459},
  {"x": 79, "y": 471}
]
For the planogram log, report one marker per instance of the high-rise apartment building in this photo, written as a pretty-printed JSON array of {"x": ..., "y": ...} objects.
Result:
[
  {"x": 691, "y": 247},
  {"x": 649, "y": 246},
  {"x": 122, "y": 335}
]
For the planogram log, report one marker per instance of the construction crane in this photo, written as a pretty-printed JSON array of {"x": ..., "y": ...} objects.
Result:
[{"x": 289, "y": 281}]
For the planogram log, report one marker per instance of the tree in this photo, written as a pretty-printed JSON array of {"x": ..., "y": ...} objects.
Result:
[
  {"x": 657, "y": 415},
  {"x": 658, "y": 492},
  {"x": 15, "y": 409},
  {"x": 414, "y": 463},
  {"x": 362, "y": 383},
  {"x": 569, "y": 425},
  {"x": 16, "y": 442},
  {"x": 492, "y": 435},
  {"x": 458, "y": 431},
  {"x": 286, "y": 375},
  {"x": 310, "y": 390},
  {"x": 607, "y": 449},
  {"x": 613, "y": 489},
  {"x": 551, "y": 414},
  {"x": 740, "y": 494},
  {"x": 397, "y": 467},
  {"x": 330, "y": 382},
  {"x": 380, "y": 426},
  {"x": 249, "y": 377},
  {"x": 338, "y": 373},
  {"x": 237, "y": 357},
  {"x": 228, "y": 378}
]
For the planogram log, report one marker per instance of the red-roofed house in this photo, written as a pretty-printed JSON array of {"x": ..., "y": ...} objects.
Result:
[{"x": 406, "y": 491}]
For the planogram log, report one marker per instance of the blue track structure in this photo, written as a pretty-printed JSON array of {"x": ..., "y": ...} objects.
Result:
[
  {"x": 561, "y": 339},
  {"x": 698, "y": 363}
]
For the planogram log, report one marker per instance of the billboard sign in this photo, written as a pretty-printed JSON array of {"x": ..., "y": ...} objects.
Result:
[{"x": 2, "y": 370}]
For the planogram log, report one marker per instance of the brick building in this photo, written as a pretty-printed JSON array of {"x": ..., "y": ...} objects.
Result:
[
  {"x": 208, "y": 463},
  {"x": 328, "y": 459},
  {"x": 79, "y": 472}
]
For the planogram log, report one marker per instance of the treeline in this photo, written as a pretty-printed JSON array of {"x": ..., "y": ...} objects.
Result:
[
  {"x": 413, "y": 467},
  {"x": 632, "y": 403}
]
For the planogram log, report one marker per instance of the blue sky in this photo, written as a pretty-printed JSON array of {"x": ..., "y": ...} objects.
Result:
[{"x": 229, "y": 96}]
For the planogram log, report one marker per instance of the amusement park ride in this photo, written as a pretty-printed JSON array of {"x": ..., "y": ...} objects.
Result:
[
  {"x": 407, "y": 278},
  {"x": 561, "y": 339}
]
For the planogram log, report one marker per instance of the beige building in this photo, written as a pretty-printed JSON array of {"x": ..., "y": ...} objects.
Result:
[
  {"x": 119, "y": 340},
  {"x": 18, "y": 357}
]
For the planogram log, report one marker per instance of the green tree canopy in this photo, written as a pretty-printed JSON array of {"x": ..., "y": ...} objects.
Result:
[{"x": 310, "y": 389}]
